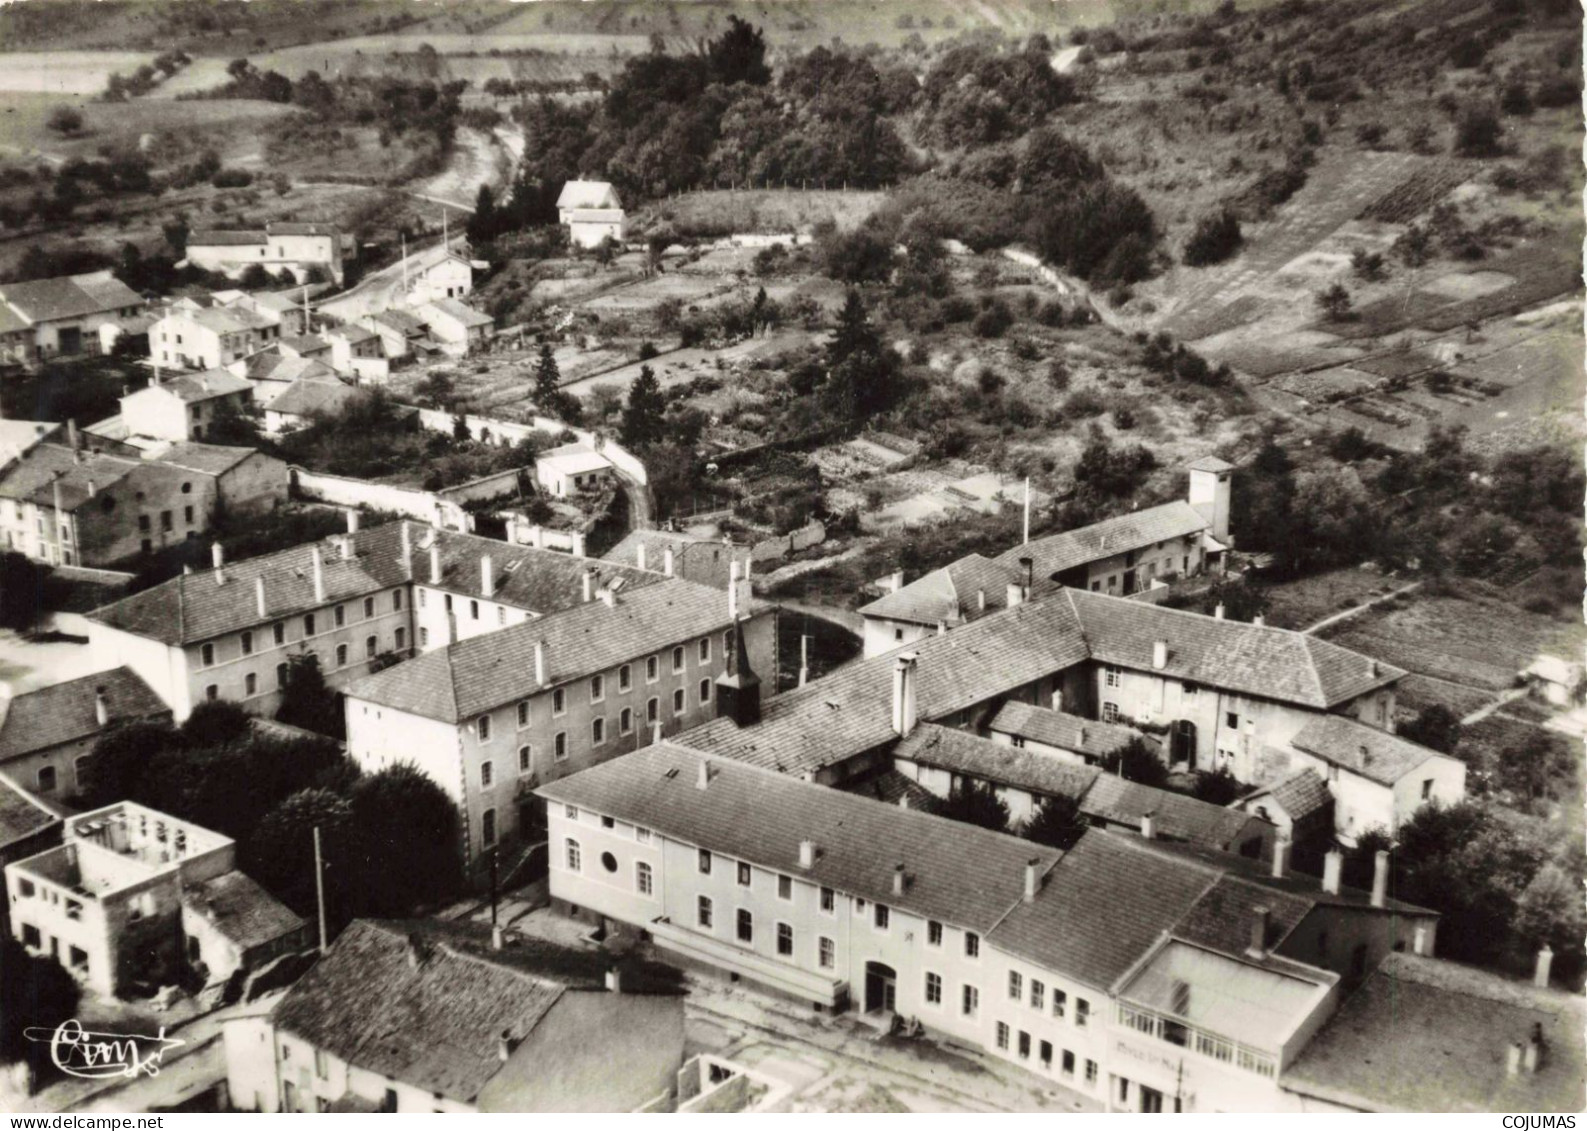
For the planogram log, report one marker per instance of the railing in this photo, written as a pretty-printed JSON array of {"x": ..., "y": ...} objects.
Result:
[{"x": 1206, "y": 1044}]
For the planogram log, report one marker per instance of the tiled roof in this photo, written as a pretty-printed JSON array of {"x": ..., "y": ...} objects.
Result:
[
  {"x": 1174, "y": 815},
  {"x": 241, "y": 910},
  {"x": 271, "y": 365},
  {"x": 69, "y": 296},
  {"x": 1210, "y": 463},
  {"x": 658, "y": 542},
  {"x": 432, "y": 1023},
  {"x": 588, "y": 194},
  {"x": 23, "y": 434},
  {"x": 848, "y": 711},
  {"x": 34, "y": 476},
  {"x": 62, "y": 712},
  {"x": 948, "y": 749},
  {"x": 188, "y": 609},
  {"x": 20, "y": 815},
  {"x": 210, "y": 459},
  {"x": 224, "y": 319},
  {"x": 10, "y": 321},
  {"x": 1374, "y": 754},
  {"x": 304, "y": 343},
  {"x": 950, "y": 594},
  {"x": 1102, "y": 907},
  {"x": 1300, "y": 795},
  {"x": 212, "y": 238},
  {"x": 1422, "y": 1034},
  {"x": 1272, "y": 663},
  {"x": 400, "y": 321},
  {"x": 892, "y": 788},
  {"x": 302, "y": 398},
  {"x": 1055, "y": 728},
  {"x": 955, "y": 872},
  {"x": 484, "y": 672},
  {"x": 351, "y": 334},
  {"x": 1222, "y": 917},
  {"x": 459, "y": 311},
  {"x": 290, "y": 228},
  {"x": 574, "y": 459},
  {"x": 1058, "y": 552},
  {"x": 595, "y": 216},
  {"x": 211, "y": 383}
]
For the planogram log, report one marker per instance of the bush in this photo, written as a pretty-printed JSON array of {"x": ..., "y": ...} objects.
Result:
[
  {"x": 993, "y": 321},
  {"x": 1083, "y": 403},
  {"x": 232, "y": 178},
  {"x": 1215, "y": 239},
  {"x": 1477, "y": 132},
  {"x": 65, "y": 119}
]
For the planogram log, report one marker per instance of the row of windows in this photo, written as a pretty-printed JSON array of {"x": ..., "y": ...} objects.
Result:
[
  {"x": 1038, "y": 998},
  {"x": 1022, "y": 1045},
  {"x": 250, "y": 681},
  {"x": 598, "y": 726},
  {"x": 48, "y": 779},
  {"x": 278, "y": 630}
]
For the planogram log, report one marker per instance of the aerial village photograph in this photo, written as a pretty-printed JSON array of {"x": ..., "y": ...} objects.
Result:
[{"x": 791, "y": 556}]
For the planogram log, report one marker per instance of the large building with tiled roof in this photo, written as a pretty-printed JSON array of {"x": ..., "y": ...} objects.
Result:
[
  {"x": 407, "y": 1018},
  {"x": 491, "y": 716},
  {"x": 1149, "y": 976},
  {"x": 942, "y": 599},
  {"x": 28, "y": 826},
  {"x": 47, "y": 318},
  {"x": 47, "y": 735},
  {"x": 708, "y": 561},
  {"x": 210, "y": 337},
  {"x": 390, "y": 590},
  {"x": 298, "y": 247}
]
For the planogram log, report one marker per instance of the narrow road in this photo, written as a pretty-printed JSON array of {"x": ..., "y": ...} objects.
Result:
[
  {"x": 1504, "y": 699},
  {"x": 1365, "y": 605}
]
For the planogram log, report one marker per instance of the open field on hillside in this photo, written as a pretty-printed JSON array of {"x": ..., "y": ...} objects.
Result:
[
  {"x": 1298, "y": 604},
  {"x": 230, "y": 126},
  {"x": 795, "y": 209},
  {"x": 65, "y": 72}
]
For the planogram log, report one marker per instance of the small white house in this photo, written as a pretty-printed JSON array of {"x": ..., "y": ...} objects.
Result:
[
  {"x": 572, "y": 469},
  {"x": 592, "y": 212},
  {"x": 457, "y": 326}
]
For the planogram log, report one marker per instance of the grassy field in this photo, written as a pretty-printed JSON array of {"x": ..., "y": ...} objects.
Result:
[
  {"x": 760, "y": 210},
  {"x": 230, "y": 125},
  {"x": 1299, "y": 604}
]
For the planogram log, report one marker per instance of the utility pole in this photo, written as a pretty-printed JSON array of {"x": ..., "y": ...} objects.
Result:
[
  {"x": 319, "y": 889},
  {"x": 1027, "y": 509}
]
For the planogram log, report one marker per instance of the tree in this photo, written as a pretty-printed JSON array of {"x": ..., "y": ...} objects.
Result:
[
  {"x": 280, "y": 852},
  {"x": 483, "y": 225},
  {"x": 1137, "y": 762},
  {"x": 1217, "y": 788},
  {"x": 215, "y": 722},
  {"x": 1215, "y": 239},
  {"x": 34, "y": 993},
  {"x": 1366, "y": 264},
  {"x": 1057, "y": 822},
  {"x": 975, "y": 803},
  {"x": 1549, "y": 913},
  {"x": 121, "y": 757},
  {"x": 307, "y": 702},
  {"x": 861, "y": 371},
  {"x": 21, "y": 591},
  {"x": 548, "y": 380},
  {"x": 255, "y": 278},
  {"x": 65, "y": 119},
  {"x": 1334, "y": 303},
  {"x": 408, "y": 850},
  {"x": 643, "y": 415},
  {"x": 739, "y": 55},
  {"x": 1477, "y": 132},
  {"x": 1334, "y": 522},
  {"x": 1435, "y": 727}
]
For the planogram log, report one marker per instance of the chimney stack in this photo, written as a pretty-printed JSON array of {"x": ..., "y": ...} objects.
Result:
[
  {"x": 1332, "y": 864},
  {"x": 614, "y": 981},
  {"x": 980, "y": 600},
  {"x": 1380, "y": 878},
  {"x": 1159, "y": 654},
  {"x": 904, "y": 694},
  {"x": 259, "y": 595},
  {"x": 1545, "y": 965},
  {"x": 71, "y": 434},
  {"x": 217, "y": 556},
  {"x": 1530, "y": 1055},
  {"x": 1148, "y": 827},
  {"x": 101, "y": 707},
  {"x": 655, "y": 732},
  {"x": 609, "y": 597},
  {"x": 435, "y": 561},
  {"x": 407, "y": 551},
  {"x": 540, "y": 663},
  {"x": 1512, "y": 1059},
  {"x": 804, "y": 659},
  {"x": 352, "y": 520},
  {"x": 1259, "y": 919},
  {"x": 899, "y": 879},
  {"x": 705, "y": 774},
  {"x": 498, "y": 937},
  {"x": 639, "y": 555},
  {"x": 1217, "y": 611},
  {"x": 1015, "y": 594},
  {"x": 1032, "y": 878},
  {"x": 487, "y": 576},
  {"x": 578, "y": 544},
  {"x": 319, "y": 574},
  {"x": 1281, "y": 848},
  {"x": 666, "y": 561},
  {"x": 587, "y": 581},
  {"x": 732, "y": 590},
  {"x": 807, "y": 854},
  {"x": 1258, "y": 620},
  {"x": 504, "y": 1045},
  {"x": 1419, "y": 941},
  {"x": 345, "y": 545},
  {"x": 942, "y": 628}
]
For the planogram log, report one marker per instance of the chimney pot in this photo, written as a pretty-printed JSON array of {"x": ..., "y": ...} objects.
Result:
[
  {"x": 487, "y": 576},
  {"x": 217, "y": 555},
  {"x": 578, "y": 544},
  {"x": 639, "y": 555},
  {"x": 705, "y": 774},
  {"x": 352, "y": 521},
  {"x": 1159, "y": 654},
  {"x": 1258, "y": 620},
  {"x": 1148, "y": 827},
  {"x": 435, "y": 561},
  {"x": 1512, "y": 1059},
  {"x": 980, "y": 600},
  {"x": 904, "y": 708},
  {"x": 407, "y": 552},
  {"x": 504, "y": 1045},
  {"x": 1380, "y": 878},
  {"x": 588, "y": 583},
  {"x": 1032, "y": 878},
  {"x": 1218, "y": 611},
  {"x": 942, "y": 628},
  {"x": 1332, "y": 864},
  {"x": 899, "y": 879},
  {"x": 614, "y": 980},
  {"x": 807, "y": 854},
  {"x": 259, "y": 594},
  {"x": 540, "y": 662},
  {"x": 1259, "y": 921},
  {"x": 319, "y": 574},
  {"x": 101, "y": 707},
  {"x": 1015, "y": 594},
  {"x": 498, "y": 937},
  {"x": 1544, "y": 967},
  {"x": 1281, "y": 850},
  {"x": 1529, "y": 1056}
]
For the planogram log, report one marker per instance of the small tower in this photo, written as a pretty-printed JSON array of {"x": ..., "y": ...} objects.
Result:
[
  {"x": 1210, "y": 480},
  {"x": 738, "y": 688}
]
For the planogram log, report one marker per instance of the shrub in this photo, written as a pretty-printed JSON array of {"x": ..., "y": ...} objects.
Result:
[
  {"x": 1084, "y": 402},
  {"x": 1477, "y": 132},
  {"x": 1215, "y": 239},
  {"x": 993, "y": 321},
  {"x": 65, "y": 119},
  {"x": 232, "y": 178}
]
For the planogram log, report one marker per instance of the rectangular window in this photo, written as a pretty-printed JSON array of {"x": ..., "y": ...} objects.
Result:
[
  {"x": 641, "y": 835},
  {"x": 1231, "y": 719},
  {"x": 484, "y": 728},
  {"x": 1002, "y": 1036},
  {"x": 571, "y": 812},
  {"x": 972, "y": 945},
  {"x": 1046, "y": 1054},
  {"x": 644, "y": 881},
  {"x": 281, "y": 675},
  {"x": 369, "y": 607},
  {"x": 1016, "y": 985},
  {"x": 933, "y": 988},
  {"x": 1024, "y": 1045},
  {"x": 970, "y": 1002},
  {"x": 677, "y": 702},
  {"x": 829, "y": 900},
  {"x": 705, "y": 649},
  {"x": 401, "y": 638},
  {"x": 785, "y": 940},
  {"x": 1110, "y": 676},
  {"x": 212, "y": 692},
  {"x": 486, "y": 773},
  {"x": 705, "y": 691},
  {"x": 883, "y": 917},
  {"x": 247, "y": 644},
  {"x": 341, "y": 615},
  {"x": 933, "y": 933},
  {"x": 525, "y": 759},
  {"x": 746, "y": 926},
  {"x": 826, "y": 953},
  {"x": 250, "y": 684},
  {"x": 785, "y": 887},
  {"x": 625, "y": 721},
  {"x": 559, "y": 702},
  {"x": 1427, "y": 789},
  {"x": 308, "y": 625},
  {"x": 743, "y": 874},
  {"x": 652, "y": 669},
  {"x": 1082, "y": 1012},
  {"x": 341, "y": 655},
  {"x": 652, "y": 709},
  {"x": 488, "y": 828},
  {"x": 677, "y": 659},
  {"x": 705, "y": 861},
  {"x": 1038, "y": 994},
  {"x": 597, "y": 731},
  {"x": 1110, "y": 712},
  {"x": 574, "y": 856},
  {"x": 559, "y": 746},
  {"x": 396, "y": 599},
  {"x": 625, "y": 677},
  {"x": 1091, "y": 1072},
  {"x": 597, "y": 688},
  {"x": 371, "y": 646},
  {"x": 523, "y": 713},
  {"x": 1060, "y": 1003},
  {"x": 424, "y": 637},
  {"x": 1068, "y": 1063},
  {"x": 207, "y": 654}
]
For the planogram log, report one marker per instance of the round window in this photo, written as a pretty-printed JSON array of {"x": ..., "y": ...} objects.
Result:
[{"x": 608, "y": 861}]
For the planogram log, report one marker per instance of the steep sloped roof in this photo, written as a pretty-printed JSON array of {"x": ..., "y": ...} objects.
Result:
[
  {"x": 588, "y": 194},
  {"x": 1174, "y": 815},
  {"x": 311, "y": 395},
  {"x": 1374, "y": 754},
  {"x": 1137, "y": 530},
  {"x": 1056, "y": 728},
  {"x": 946, "y": 748},
  {"x": 62, "y": 712},
  {"x": 69, "y": 296},
  {"x": 950, "y": 594},
  {"x": 1300, "y": 795},
  {"x": 21, "y": 814}
]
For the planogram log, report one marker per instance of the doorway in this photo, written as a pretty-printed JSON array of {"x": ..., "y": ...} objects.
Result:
[
  {"x": 70, "y": 339},
  {"x": 881, "y": 988},
  {"x": 1182, "y": 743}
]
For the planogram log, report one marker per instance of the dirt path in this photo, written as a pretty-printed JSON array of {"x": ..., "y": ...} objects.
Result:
[
  {"x": 1503, "y": 700},
  {"x": 1361, "y": 608}
]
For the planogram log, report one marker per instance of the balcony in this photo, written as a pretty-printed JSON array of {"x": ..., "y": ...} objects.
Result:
[{"x": 1209, "y": 1045}]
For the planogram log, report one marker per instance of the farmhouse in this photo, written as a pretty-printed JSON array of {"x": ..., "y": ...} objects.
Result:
[
  {"x": 305, "y": 399},
  {"x": 295, "y": 247},
  {"x": 436, "y": 272},
  {"x": 272, "y": 373},
  {"x": 182, "y": 406},
  {"x": 61, "y": 317},
  {"x": 457, "y": 327},
  {"x": 210, "y": 337},
  {"x": 591, "y": 211}
]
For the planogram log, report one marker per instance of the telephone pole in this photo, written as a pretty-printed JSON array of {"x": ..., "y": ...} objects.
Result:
[{"x": 319, "y": 888}]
